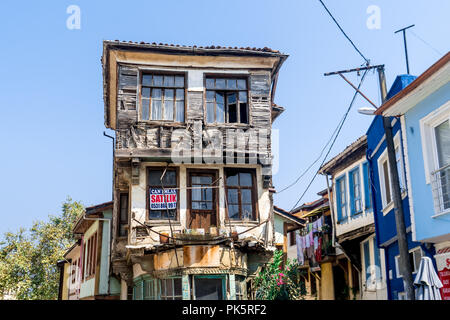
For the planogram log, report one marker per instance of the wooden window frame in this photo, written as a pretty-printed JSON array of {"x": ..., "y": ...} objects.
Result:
[
  {"x": 225, "y": 91},
  {"x": 121, "y": 222},
  {"x": 142, "y": 73},
  {"x": 253, "y": 188},
  {"x": 147, "y": 196},
  {"x": 91, "y": 257},
  {"x": 215, "y": 201},
  {"x": 173, "y": 296}
]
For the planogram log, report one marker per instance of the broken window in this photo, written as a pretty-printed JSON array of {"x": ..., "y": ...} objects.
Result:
[
  {"x": 162, "y": 97},
  {"x": 123, "y": 215},
  {"x": 226, "y": 100},
  {"x": 241, "y": 194},
  {"x": 162, "y": 202}
]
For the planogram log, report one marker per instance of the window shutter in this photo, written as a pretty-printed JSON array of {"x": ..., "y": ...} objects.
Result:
[
  {"x": 338, "y": 198},
  {"x": 351, "y": 184},
  {"x": 367, "y": 187}
]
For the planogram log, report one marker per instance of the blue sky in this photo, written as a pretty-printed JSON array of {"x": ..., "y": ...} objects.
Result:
[{"x": 51, "y": 82}]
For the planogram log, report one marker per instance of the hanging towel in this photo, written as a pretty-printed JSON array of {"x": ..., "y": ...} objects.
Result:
[
  {"x": 300, "y": 257},
  {"x": 319, "y": 224},
  {"x": 316, "y": 242},
  {"x": 319, "y": 250},
  {"x": 308, "y": 241}
]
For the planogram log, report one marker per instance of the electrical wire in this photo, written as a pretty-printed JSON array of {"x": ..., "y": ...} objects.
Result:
[
  {"x": 426, "y": 43},
  {"x": 313, "y": 163},
  {"x": 334, "y": 140},
  {"x": 343, "y": 32}
]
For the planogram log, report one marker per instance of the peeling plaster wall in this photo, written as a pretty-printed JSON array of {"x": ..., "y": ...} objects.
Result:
[{"x": 139, "y": 211}]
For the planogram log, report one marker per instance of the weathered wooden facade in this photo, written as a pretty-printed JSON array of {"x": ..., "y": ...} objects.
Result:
[{"x": 193, "y": 209}]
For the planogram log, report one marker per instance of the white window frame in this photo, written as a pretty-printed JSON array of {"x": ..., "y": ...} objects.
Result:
[
  {"x": 384, "y": 157},
  {"x": 429, "y": 150},
  {"x": 372, "y": 247},
  {"x": 415, "y": 268},
  {"x": 428, "y": 125}
]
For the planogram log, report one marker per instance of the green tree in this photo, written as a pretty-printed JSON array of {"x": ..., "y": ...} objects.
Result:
[
  {"x": 28, "y": 258},
  {"x": 277, "y": 283}
]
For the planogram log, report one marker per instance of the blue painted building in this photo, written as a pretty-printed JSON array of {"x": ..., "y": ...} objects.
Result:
[
  {"x": 382, "y": 196},
  {"x": 423, "y": 108}
]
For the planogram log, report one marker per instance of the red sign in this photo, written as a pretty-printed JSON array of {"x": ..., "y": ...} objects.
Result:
[
  {"x": 443, "y": 267},
  {"x": 160, "y": 200}
]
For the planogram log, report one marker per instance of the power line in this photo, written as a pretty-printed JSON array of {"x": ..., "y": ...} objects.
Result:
[
  {"x": 343, "y": 32},
  {"x": 426, "y": 43},
  {"x": 334, "y": 140},
  {"x": 311, "y": 165}
]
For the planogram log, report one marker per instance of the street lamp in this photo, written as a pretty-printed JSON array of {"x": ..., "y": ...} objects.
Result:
[{"x": 369, "y": 111}]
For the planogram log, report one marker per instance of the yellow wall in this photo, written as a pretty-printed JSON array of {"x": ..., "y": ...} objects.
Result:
[{"x": 327, "y": 281}]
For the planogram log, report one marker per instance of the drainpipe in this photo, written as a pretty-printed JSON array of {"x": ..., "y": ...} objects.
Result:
[{"x": 109, "y": 220}]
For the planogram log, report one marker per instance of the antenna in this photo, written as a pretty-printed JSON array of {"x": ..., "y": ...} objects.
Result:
[{"x": 404, "y": 42}]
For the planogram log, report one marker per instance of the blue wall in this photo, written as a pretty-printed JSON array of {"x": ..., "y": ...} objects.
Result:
[
  {"x": 395, "y": 285},
  {"x": 385, "y": 226},
  {"x": 426, "y": 227}
]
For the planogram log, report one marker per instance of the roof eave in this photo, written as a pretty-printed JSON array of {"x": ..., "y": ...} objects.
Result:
[{"x": 429, "y": 81}]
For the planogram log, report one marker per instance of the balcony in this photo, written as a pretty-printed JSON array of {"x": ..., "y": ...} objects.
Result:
[{"x": 440, "y": 184}]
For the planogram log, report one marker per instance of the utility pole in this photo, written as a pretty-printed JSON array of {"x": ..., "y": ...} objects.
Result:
[
  {"x": 404, "y": 43},
  {"x": 405, "y": 264}
]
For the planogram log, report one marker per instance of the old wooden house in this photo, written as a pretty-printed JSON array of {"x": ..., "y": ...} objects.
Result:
[{"x": 193, "y": 208}]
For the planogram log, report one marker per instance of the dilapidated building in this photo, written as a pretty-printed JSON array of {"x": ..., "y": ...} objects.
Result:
[{"x": 193, "y": 208}]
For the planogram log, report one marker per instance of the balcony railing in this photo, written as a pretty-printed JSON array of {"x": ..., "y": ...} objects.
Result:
[{"x": 440, "y": 184}]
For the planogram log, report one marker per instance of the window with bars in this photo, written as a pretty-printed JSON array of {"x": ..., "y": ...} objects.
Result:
[
  {"x": 154, "y": 186},
  {"x": 123, "y": 215},
  {"x": 226, "y": 100},
  {"x": 162, "y": 97},
  {"x": 241, "y": 193}
]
